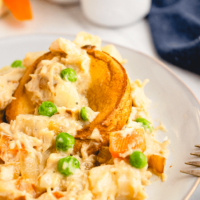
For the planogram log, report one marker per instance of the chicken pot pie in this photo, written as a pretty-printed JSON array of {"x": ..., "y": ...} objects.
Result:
[{"x": 75, "y": 127}]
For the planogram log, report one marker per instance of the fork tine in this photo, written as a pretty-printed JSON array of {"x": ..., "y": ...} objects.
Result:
[
  {"x": 198, "y": 145},
  {"x": 194, "y": 163},
  {"x": 192, "y": 172},
  {"x": 195, "y": 154}
]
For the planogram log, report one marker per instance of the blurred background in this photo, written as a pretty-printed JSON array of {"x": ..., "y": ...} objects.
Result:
[{"x": 168, "y": 30}]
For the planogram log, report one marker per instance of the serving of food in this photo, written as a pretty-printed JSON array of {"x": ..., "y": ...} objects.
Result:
[{"x": 74, "y": 126}]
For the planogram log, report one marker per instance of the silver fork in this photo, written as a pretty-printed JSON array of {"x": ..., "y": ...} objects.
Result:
[{"x": 193, "y": 163}]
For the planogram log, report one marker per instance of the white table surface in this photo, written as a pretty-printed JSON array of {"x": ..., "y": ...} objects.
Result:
[{"x": 53, "y": 18}]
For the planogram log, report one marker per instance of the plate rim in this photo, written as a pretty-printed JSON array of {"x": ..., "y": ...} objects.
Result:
[{"x": 159, "y": 62}]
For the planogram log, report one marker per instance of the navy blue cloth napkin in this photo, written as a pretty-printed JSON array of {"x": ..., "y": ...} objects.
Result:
[{"x": 175, "y": 27}]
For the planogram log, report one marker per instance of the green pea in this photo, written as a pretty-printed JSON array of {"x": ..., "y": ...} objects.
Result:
[
  {"x": 47, "y": 108},
  {"x": 68, "y": 74},
  {"x": 146, "y": 124},
  {"x": 68, "y": 165},
  {"x": 17, "y": 63},
  {"x": 85, "y": 113},
  {"x": 138, "y": 159},
  {"x": 64, "y": 141}
]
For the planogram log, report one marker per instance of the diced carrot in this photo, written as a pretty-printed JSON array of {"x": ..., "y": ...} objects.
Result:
[
  {"x": 157, "y": 163},
  {"x": 58, "y": 195},
  {"x": 25, "y": 185},
  {"x": 21, "y": 9},
  {"x": 5, "y": 151},
  {"x": 119, "y": 144}
]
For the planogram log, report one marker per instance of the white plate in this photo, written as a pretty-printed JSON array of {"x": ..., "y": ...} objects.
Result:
[{"x": 172, "y": 103}]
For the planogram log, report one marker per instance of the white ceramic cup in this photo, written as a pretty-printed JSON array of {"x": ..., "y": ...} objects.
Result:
[{"x": 115, "y": 13}]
